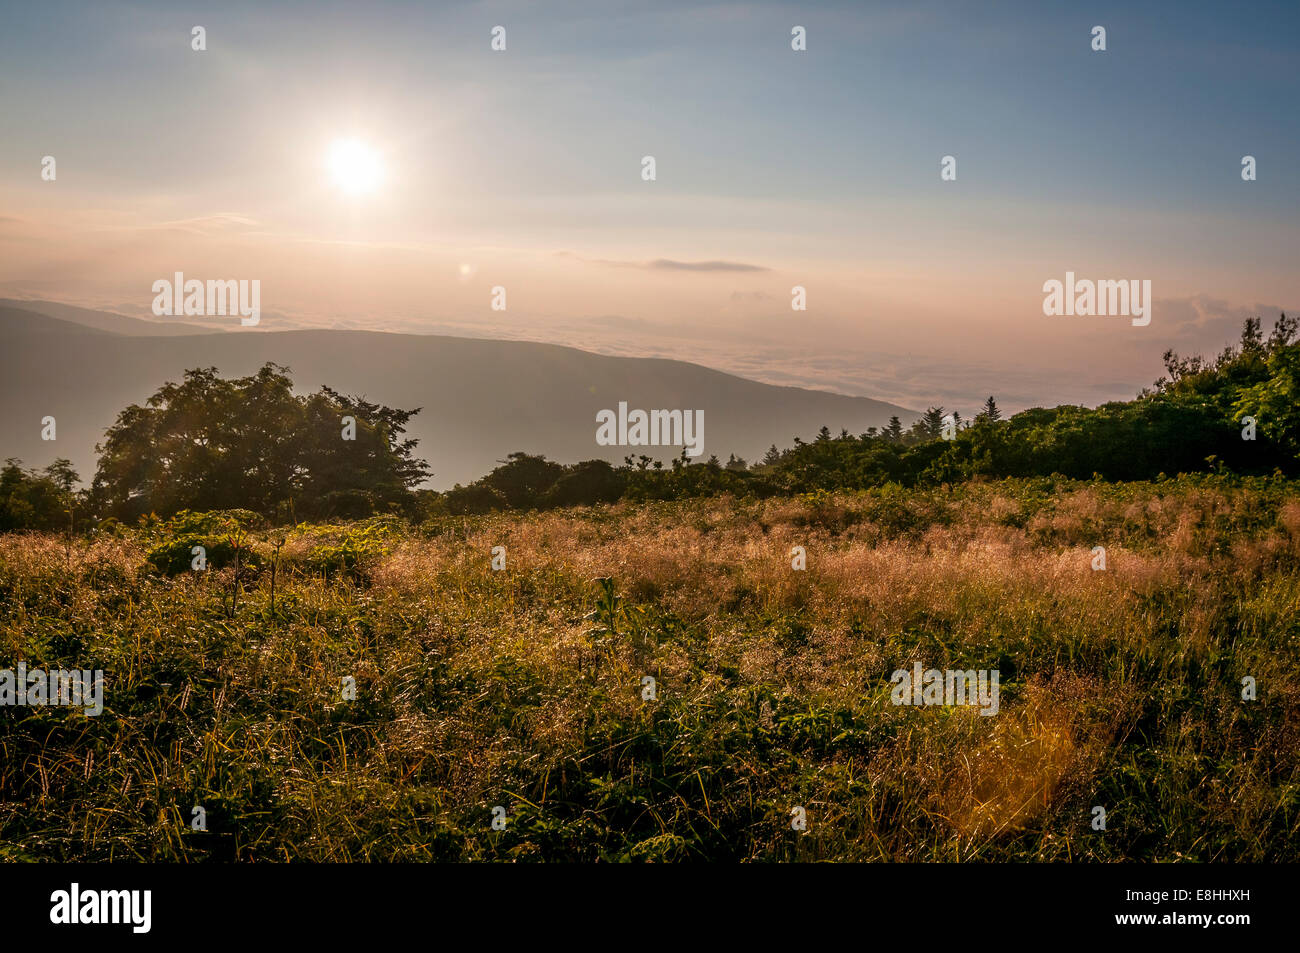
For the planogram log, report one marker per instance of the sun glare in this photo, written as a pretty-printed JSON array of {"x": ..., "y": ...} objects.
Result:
[{"x": 354, "y": 166}]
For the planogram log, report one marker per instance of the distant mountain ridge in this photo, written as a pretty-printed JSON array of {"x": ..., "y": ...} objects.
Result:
[
  {"x": 20, "y": 320},
  {"x": 481, "y": 399},
  {"x": 105, "y": 320}
]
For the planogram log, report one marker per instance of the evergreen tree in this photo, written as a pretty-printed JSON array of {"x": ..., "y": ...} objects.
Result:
[{"x": 932, "y": 422}]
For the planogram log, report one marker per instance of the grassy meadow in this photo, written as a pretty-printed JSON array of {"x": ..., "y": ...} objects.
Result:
[{"x": 521, "y": 688}]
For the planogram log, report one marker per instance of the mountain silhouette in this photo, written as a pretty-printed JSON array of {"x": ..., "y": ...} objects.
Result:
[
  {"x": 481, "y": 399},
  {"x": 105, "y": 320}
]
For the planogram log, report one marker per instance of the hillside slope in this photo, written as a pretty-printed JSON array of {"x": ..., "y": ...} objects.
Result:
[{"x": 482, "y": 399}]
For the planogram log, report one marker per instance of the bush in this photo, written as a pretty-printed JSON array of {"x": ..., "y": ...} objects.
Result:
[
  {"x": 474, "y": 499},
  {"x": 176, "y": 556},
  {"x": 356, "y": 547}
]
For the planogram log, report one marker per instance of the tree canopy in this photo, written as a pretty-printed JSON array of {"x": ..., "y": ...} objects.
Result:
[
  {"x": 215, "y": 443},
  {"x": 37, "y": 499}
]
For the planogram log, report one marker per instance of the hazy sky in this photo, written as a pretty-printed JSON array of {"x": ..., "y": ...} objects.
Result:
[{"x": 775, "y": 168}]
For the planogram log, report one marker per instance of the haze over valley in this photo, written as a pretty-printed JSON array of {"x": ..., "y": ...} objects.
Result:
[{"x": 481, "y": 399}]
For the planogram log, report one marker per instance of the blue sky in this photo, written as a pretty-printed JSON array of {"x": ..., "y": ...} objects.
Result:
[{"x": 819, "y": 168}]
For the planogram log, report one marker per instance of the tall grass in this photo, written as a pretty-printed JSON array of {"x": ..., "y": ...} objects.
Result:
[{"x": 477, "y": 688}]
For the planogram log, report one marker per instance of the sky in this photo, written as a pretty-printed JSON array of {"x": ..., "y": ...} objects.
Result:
[{"x": 819, "y": 168}]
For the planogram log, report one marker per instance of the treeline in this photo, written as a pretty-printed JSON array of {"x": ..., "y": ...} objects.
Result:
[
  {"x": 1239, "y": 412},
  {"x": 250, "y": 443}
]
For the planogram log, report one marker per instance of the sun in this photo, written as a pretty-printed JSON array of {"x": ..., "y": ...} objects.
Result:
[{"x": 355, "y": 166}]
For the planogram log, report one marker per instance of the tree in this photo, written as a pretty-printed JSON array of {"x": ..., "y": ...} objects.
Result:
[
  {"x": 210, "y": 443},
  {"x": 1275, "y": 403},
  {"x": 1252, "y": 339},
  {"x": 894, "y": 432},
  {"x": 36, "y": 499},
  {"x": 931, "y": 423},
  {"x": 990, "y": 414},
  {"x": 62, "y": 474},
  {"x": 587, "y": 483},
  {"x": 1284, "y": 332},
  {"x": 473, "y": 499},
  {"x": 522, "y": 479}
]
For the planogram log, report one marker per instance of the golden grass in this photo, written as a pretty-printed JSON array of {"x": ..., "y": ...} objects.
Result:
[{"x": 1119, "y": 688}]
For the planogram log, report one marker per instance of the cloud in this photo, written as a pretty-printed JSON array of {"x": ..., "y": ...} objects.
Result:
[
  {"x": 621, "y": 322},
  {"x": 669, "y": 264},
  {"x": 208, "y": 224},
  {"x": 1203, "y": 320}
]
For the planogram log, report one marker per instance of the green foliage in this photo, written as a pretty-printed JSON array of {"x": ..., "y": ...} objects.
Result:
[
  {"x": 353, "y": 548},
  {"x": 607, "y": 611},
  {"x": 223, "y": 535},
  {"x": 176, "y": 556},
  {"x": 1275, "y": 403},
  {"x": 207, "y": 522},
  {"x": 37, "y": 499},
  {"x": 1189, "y": 424},
  {"x": 476, "y": 688},
  {"x": 214, "y": 443},
  {"x": 522, "y": 479},
  {"x": 474, "y": 499},
  {"x": 588, "y": 483},
  {"x": 217, "y": 444}
]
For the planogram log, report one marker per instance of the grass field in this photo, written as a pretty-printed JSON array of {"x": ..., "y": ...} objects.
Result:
[{"x": 522, "y": 688}]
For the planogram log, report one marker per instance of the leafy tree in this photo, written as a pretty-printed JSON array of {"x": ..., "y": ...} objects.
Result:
[
  {"x": 37, "y": 499},
  {"x": 522, "y": 479},
  {"x": 1284, "y": 332},
  {"x": 212, "y": 443},
  {"x": 474, "y": 499},
  {"x": 1275, "y": 402},
  {"x": 587, "y": 483}
]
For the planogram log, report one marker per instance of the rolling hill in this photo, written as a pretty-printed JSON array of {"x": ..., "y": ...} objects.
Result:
[
  {"x": 104, "y": 320},
  {"x": 481, "y": 399}
]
